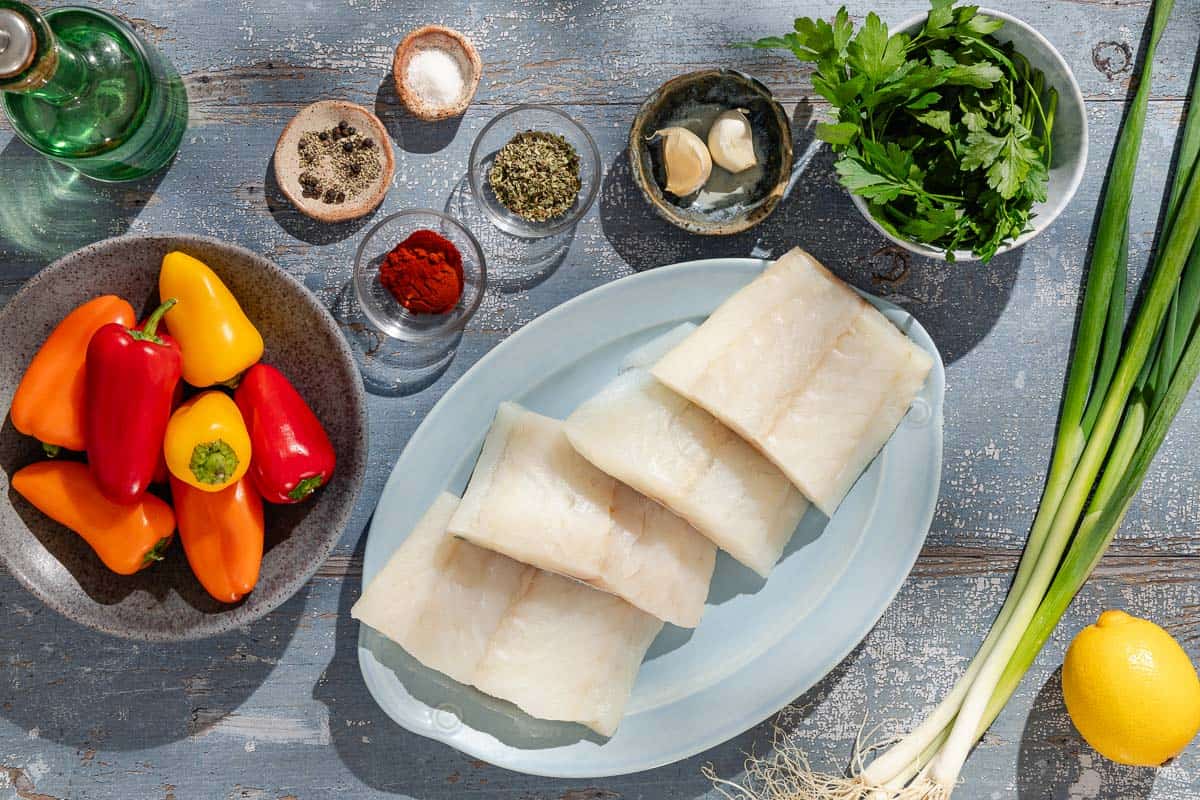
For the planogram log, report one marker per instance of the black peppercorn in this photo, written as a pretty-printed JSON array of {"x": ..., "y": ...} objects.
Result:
[
  {"x": 348, "y": 147},
  {"x": 323, "y": 136}
]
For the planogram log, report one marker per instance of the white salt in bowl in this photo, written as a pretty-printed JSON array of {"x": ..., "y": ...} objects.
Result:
[{"x": 454, "y": 45}]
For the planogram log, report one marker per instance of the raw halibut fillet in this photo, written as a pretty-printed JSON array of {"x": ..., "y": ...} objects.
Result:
[
  {"x": 441, "y": 598},
  {"x": 832, "y": 434},
  {"x": 806, "y": 370},
  {"x": 556, "y": 648},
  {"x": 647, "y": 436},
  {"x": 534, "y": 499},
  {"x": 568, "y": 652}
]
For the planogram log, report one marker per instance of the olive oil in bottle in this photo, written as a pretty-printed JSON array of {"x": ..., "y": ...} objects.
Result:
[{"x": 81, "y": 87}]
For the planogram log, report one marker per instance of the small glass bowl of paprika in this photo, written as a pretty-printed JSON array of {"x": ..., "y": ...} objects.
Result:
[{"x": 419, "y": 275}]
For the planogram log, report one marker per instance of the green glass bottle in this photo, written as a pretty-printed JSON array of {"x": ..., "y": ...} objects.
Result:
[{"x": 81, "y": 87}]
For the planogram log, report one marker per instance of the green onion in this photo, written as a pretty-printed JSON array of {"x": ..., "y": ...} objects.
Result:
[
  {"x": 1121, "y": 396},
  {"x": 1095, "y": 359}
]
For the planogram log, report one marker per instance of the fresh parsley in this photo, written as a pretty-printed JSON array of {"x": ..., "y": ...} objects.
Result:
[{"x": 945, "y": 134}]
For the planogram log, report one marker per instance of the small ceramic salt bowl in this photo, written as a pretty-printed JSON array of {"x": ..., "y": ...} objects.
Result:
[
  {"x": 433, "y": 40},
  {"x": 728, "y": 203}
]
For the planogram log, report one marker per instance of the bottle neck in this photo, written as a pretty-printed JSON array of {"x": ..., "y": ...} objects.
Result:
[
  {"x": 34, "y": 61},
  {"x": 67, "y": 81}
]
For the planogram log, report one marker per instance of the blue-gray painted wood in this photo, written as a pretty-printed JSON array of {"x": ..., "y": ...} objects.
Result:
[{"x": 278, "y": 710}]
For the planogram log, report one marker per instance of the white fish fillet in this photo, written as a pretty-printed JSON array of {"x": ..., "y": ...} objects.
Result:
[
  {"x": 441, "y": 598},
  {"x": 556, "y": 648},
  {"x": 806, "y": 370},
  {"x": 658, "y": 442},
  {"x": 534, "y": 499},
  {"x": 568, "y": 652}
]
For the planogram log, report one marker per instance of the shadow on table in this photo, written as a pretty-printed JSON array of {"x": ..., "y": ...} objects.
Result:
[
  {"x": 412, "y": 135},
  {"x": 1055, "y": 763},
  {"x": 368, "y": 741},
  {"x": 957, "y": 303},
  {"x": 50, "y": 209},
  {"x": 150, "y": 693},
  {"x": 514, "y": 263},
  {"x": 390, "y": 367},
  {"x": 301, "y": 226}
]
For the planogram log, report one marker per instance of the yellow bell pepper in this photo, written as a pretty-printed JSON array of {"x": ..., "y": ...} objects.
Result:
[
  {"x": 217, "y": 338},
  {"x": 207, "y": 445}
]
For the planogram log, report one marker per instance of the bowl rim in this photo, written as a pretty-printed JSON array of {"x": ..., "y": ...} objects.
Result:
[
  {"x": 1050, "y": 213},
  {"x": 385, "y": 325},
  {"x": 770, "y": 201},
  {"x": 356, "y": 407},
  {"x": 412, "y": 100},
  {"x": 350, "y": 211},
  {"x": 476, "y": 179}
]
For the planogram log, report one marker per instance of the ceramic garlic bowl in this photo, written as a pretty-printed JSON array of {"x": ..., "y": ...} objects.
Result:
[{"x": 728, "y": 203}]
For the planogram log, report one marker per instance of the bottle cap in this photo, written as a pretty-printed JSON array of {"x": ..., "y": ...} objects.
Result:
[{"x": 18, "y": 43}]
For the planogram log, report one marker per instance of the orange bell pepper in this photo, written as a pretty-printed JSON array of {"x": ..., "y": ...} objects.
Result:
[
  {"x": 127, "y": 538},
  {"x": 222, "y": 534},
  {"x": 49, "y": 401}
]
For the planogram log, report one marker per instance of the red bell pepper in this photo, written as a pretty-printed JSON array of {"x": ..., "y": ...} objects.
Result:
[
  {"x": 132, "y": 375},
  {"x": 291, "y": 455}
]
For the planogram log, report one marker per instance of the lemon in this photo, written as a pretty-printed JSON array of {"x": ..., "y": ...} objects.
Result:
[{"x": 1131, "y": 690}]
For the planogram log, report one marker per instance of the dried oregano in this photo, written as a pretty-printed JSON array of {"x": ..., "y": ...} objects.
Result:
[{"x": 536, "y": 175}]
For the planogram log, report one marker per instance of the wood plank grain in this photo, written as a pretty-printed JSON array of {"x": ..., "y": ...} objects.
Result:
[
  {"x": 278, "y": 710},
  {"x": 239, "y": 66},
  {"x": 616, "y": 51},
  {"x": 1000, "y": 408}
]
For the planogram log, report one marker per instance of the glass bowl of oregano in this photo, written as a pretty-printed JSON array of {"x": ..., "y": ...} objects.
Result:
[
  {"x": 534, "y": 171},
  {"x": 960, "y": 133}
]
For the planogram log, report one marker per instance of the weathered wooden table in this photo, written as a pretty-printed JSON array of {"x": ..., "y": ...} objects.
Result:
[{"x": 278, "y": 709}]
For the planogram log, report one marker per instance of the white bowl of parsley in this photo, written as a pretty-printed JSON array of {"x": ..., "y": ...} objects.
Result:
[{"x": 961, "y": 135}]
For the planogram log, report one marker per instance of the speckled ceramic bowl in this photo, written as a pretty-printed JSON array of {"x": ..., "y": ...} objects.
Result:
[
  {"x": 165, "y": 601},
  {"x": 691, "y": 101}
]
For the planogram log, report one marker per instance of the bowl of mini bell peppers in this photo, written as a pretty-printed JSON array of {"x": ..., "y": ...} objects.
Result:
[{"x": 181, "y": 472}]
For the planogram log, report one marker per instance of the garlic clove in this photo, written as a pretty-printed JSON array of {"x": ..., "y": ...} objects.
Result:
[
  {"x": 731, "y": 141},
  {"x": 687, "y": 160}
]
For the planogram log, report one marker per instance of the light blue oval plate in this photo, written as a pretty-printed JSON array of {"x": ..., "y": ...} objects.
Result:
[{"x": 761, "y": 643}]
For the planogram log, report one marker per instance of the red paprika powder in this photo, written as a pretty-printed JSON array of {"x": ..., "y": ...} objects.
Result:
[{"x": 424, "y": 273}]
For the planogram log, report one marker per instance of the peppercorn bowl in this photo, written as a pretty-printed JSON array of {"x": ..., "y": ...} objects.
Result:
[
  {"x": 418, "y": 321},
  {"x": 500, "y": 132}
]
